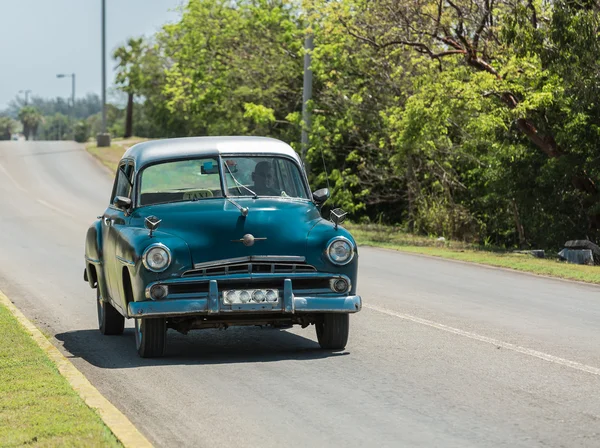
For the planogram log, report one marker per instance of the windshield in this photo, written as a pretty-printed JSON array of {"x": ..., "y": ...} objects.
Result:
[
  {"x": 199, "y": 179},
  {"x": 184, "y": 180},
  {"x": 263, "y": 176}
]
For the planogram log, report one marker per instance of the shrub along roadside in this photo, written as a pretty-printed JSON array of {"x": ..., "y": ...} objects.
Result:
[
  {"x": 37, "y": 404},
  {"x": 392, "y": 238}
]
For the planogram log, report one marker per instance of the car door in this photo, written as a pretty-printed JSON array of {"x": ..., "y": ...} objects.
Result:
[{"x": 113, "y": 221}]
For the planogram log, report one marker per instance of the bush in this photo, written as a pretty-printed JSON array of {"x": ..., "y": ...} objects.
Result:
[{"x": 82, "y": 131}]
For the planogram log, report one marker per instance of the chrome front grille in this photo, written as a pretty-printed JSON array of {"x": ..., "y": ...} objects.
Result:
[{"x": 250, "y": 268}]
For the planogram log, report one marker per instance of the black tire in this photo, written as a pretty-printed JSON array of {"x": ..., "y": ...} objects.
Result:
[
  {"x": 332, "y": 331},
  {"x": 110, "y": 321},
  {"x": 150, "y": 337}
]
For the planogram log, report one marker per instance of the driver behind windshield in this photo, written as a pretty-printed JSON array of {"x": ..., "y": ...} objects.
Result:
[{"x": 263, "y": 180}]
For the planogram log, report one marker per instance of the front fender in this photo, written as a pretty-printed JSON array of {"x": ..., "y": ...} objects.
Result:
[
  {"x": 316, "y": 242},
  {"x": 132, "y": 243}
]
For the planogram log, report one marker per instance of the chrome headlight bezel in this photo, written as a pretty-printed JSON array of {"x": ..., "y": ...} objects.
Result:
[
  {"x": 148, "y": 249},
  {"x": 350, "y": 245}
]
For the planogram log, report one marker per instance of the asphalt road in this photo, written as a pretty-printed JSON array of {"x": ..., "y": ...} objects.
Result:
[{"x": 443, "y": 354}]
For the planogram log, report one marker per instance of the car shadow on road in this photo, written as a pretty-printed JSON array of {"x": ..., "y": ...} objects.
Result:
[{"x": 234, "y": 345}]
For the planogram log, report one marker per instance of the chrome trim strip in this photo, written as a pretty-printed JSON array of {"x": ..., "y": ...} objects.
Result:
[
  {"x": 266, "y": 258},
  {"x": 245, "y": 277},
  {"x": 125, "y": 261},
  {"x": 92, "y": 260},
  {"x": 277, "y": 258}
]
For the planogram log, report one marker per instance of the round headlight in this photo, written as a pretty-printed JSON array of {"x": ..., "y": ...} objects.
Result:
[
  {"x": 340, "y": 251},
  {"x": 157, "y": 257}
]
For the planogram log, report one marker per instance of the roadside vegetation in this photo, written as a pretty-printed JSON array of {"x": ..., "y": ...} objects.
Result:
[
  {"x": 109, "y": 157},
  {"x": 395, "y": 238},
  {"x": 38, "y": 407}
]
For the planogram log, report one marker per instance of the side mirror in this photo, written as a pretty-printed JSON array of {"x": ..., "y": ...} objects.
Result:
[
  {"x": 337, "y": 216},
  {"x": 320, "y": 196},
  {"x": 122, "y": 203}
]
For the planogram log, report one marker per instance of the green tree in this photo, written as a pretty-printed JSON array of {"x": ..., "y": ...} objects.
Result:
[
  {"x": 7, "y": 127},
  {"x": 31, "y": 119},
  {"x": 129, "y": 75}
]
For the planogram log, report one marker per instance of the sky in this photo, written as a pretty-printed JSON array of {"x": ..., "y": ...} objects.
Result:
[{"x": 41, "y": 38}]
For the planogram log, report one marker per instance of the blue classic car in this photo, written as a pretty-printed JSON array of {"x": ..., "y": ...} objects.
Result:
[{"x": 212, "y": 232}]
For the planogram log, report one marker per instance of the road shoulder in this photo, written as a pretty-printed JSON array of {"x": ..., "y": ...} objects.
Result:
[{"x": 118, "y": 423}]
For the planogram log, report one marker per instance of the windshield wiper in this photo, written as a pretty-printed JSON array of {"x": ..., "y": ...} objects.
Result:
[
  {"x": 243, "y": 210},
  {"x": 238, "y": 184}
]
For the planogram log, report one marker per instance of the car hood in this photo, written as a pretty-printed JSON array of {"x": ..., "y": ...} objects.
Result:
[{"x": 213, "y": 229}]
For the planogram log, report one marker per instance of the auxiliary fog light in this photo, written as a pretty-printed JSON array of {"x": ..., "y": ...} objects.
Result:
[
  {"x": 338, "y": 285},
  {"x": 159, "y": 292},
  {"x": 244, "y": 296},
  {"x": 230, "y": 297},
  {"x": 271, "y": 296},
  {"x": 259, "y": 296}
]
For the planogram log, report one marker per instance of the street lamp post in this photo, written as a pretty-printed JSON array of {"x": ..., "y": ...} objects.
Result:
[
  {"x": 26, "y": 92},
  {"x": 103, "y": 139},
  {"x": 72, "y": 76}
]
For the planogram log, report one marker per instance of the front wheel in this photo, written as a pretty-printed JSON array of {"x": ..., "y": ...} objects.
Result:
[
  {"x": 110, "y": 320},
  {"x": 150, "y": 337},
  {"x": 332, "y": 331}
]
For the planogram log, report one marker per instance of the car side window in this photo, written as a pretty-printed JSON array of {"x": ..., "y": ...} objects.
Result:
[{"x": 123, "y": 181}]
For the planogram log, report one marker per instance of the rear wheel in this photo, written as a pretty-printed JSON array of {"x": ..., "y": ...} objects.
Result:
[
  {"x": 150, "y": 337},
  {"x": 110, "y": 320},
  {"x": 332, "y": 331}
]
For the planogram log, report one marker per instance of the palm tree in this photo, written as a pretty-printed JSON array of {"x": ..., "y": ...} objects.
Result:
[
  {"x": 30, "y": 118},
  {"x": 129, "y": 74}
]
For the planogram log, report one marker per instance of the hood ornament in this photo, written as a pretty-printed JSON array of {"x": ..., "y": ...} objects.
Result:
[
  {"x": 152, "y": 223},
  {"x": 248, "y": 240}
]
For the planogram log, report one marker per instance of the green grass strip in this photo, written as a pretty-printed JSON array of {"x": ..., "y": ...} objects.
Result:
[
  {"x": 38, "y": 407},
  {"x": 392, "y": 238}
]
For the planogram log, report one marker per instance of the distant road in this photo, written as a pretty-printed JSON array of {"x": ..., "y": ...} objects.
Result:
[{"x": 444, "y": 354}]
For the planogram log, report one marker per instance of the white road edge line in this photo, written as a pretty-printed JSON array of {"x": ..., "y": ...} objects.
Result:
[
  {"x": 507, "y": 345},
  {"x": 5, "y": 171},
  {"x": 53, "y": 207},
  {"x": 41, "y": 201}
]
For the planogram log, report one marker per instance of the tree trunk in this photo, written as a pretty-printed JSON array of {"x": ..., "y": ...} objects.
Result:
[
  {"x": 518, "y": 225},
  {"x": 129, "y": 116}
]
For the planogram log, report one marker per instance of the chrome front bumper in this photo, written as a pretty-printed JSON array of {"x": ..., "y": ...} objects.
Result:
[{"x": 212, "y": 305}]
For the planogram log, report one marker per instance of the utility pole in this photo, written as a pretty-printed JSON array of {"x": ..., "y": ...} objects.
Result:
[
  {"x": 72, "y": 76},
  {"x": 307, "y": 95},
  {"x": 26, "y": 92},
  {"x": 103, "y": 139}
]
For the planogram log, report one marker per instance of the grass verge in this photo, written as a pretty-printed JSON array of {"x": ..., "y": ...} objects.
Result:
[
  {"x": 109, "y": 157},
  {"x": 392, "y": 238},
  {"x": 37, "y": 405}
]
